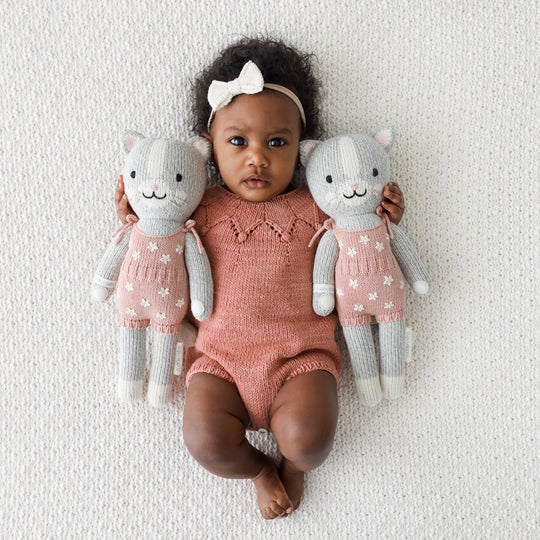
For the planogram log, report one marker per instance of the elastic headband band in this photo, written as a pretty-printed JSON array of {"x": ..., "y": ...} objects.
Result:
[{"x": 250, "y": 81}]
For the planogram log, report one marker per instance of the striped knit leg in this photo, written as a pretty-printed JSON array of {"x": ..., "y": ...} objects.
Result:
[
  {"x": 132, "y": 357},
  {"x": 364, "y": 363},
  {"x": 161, "y": 371},
  {"x": 392, "y": 340}
]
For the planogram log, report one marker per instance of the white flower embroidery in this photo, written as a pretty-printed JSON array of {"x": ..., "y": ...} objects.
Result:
[
  {"x": 379, "y": 246},
  {"x": 145, "y": 302},
  {"x": 373, "y": 296},
  {"x": 364, "y": 239},
  {"x": 129, "y": 287},
  {"x": 340, "y": 244},
  {"x": 152, "y": 246},
  {"x": 388, "y": 305},
  {"x": 351, "y": 252},
  {"x": 388, "y": 280},
  {"x": 163, "y": 292},
  {"x": 161, "y": 316},
  {"x": 136, "y": 255},
  {"x": 358, "y": 307},
  {"x": 165, "y": 259},
  {"x": 131, "y": 312},
  {"x": 339, "y": 292},
  {"x": 179, "y": 249},
  {"x": 353, "y": 283},
  {"x": 180, "y": 302}
]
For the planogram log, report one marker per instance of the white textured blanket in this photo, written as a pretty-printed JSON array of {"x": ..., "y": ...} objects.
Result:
[{"x": 457, "y": 457}]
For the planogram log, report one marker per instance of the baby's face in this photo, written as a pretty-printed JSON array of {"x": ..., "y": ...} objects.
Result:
[{"x": 255, "y": 140}]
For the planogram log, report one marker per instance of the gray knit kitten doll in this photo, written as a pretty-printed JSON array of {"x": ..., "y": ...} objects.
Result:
[
  {"x": 157, "y": 261},
  {"x": 362, "y": 261}
]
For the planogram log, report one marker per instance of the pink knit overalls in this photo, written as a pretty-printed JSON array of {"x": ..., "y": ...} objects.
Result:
[
  {"x": 368, "y": 278},
  {"x": 263, "y": 330},
  {"x": 153, "y": 286}
]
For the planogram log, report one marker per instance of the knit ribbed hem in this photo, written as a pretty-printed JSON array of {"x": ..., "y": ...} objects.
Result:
[
  {"x": 134, "y": 324},
  {"x": 128, "y": 391},
  {"x": 365, "y": 318},
  {"x": 369, "y": 391},
  {"x": 159, "y": 394},
  {"x": 392, "y": 387},
  {"x": 139, "y": 324},
  {"x": 308, "y": 367}
]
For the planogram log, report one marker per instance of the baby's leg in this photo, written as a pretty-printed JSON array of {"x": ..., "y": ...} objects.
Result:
[
  {"x": 215, "y": 421},
  {"x": 303, "y": 421}
]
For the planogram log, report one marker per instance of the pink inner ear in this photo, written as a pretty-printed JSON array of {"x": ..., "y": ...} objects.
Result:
[{"x": 385, "y": 137}]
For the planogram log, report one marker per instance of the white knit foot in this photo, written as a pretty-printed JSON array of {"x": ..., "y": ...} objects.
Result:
[
  {"x": 129, "y": 391},
  {"x": 159, "y": 394},
  {"x": 392, "y": 387},
  {"x": 369, "y": 391}
]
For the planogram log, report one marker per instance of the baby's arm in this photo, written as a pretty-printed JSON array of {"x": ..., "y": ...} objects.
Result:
[
  {"x": 201, "y": 285},
  {"x": 323, "y": 274},
  {"x": 393, "y": 204},
  {"x": 123, "y": 208}
]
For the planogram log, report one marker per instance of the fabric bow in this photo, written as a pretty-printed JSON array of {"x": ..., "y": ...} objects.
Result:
[{"x": 250, "y": 81}]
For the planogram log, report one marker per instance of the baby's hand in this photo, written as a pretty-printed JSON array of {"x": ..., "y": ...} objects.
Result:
[
  {"x": 123, "y": 208},
  {"x": 393, "y": 204}
]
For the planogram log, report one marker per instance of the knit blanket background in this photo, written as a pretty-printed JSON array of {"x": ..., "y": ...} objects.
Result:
[{"x": 457, "y": 456}]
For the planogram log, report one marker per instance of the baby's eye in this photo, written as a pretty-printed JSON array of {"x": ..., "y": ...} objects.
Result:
[
  {"x": 276, "y": 141},
  {"x": 237, "y": 141},
  {"x": 132, "y": 174},
  {"x": 178, "y": 177}
]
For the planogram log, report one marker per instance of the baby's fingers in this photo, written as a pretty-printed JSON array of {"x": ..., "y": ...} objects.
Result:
[
  {"x": 123, "y": 208},
  {"x": 393, "y": 193}
]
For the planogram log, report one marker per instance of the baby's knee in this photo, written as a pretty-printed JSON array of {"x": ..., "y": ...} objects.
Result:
[
  {"x": 209, "y": 447},
  {"x": 306, "y": 445}
]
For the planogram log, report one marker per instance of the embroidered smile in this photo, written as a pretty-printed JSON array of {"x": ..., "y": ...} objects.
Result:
[
  {"x": 153, "y": 196},
  {"x": 355, "y": 194}
]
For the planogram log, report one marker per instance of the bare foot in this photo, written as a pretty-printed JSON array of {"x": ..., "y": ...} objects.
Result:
[
  {"x": 272, "y": 498},
  {"x": 293, "y": 480}
]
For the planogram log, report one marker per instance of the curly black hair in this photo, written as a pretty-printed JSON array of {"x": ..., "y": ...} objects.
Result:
[{"x": 279, "y": 64}]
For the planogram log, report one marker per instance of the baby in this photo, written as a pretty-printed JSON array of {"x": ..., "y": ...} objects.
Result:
[{"x": 263, "y": 360}]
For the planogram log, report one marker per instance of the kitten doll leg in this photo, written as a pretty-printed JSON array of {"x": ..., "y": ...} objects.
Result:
[
  {"x": 392, "y": 339},
  {"x": 132, "y": 357},
  {"x": 162, "y": 368},
  {"x": 364, "y": 363}
]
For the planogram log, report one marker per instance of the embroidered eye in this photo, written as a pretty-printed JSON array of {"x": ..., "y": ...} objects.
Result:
[
  {"x": 375, "y": 172},
  {"x": 178, "y": 177},
  {"x": 329, "y": 179},
  {"x": 132, "y": 174}
]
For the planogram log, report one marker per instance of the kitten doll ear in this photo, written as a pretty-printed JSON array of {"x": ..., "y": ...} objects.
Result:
[
  {"x": 129, "y": 139},
  {"x": 385, "y": 137},
  {"x": 204, "y": 146},
  {"x": 306, "y": 150}
]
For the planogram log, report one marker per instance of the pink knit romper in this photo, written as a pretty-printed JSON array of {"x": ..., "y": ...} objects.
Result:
[
  {"x": 153, "y": 285},
  {"x": 368, "y": 278},
  {"x": 263, "y": 330}
]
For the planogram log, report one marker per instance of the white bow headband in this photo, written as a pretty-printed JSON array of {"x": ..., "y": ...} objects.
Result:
[{"x": 250, "y": 81}]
